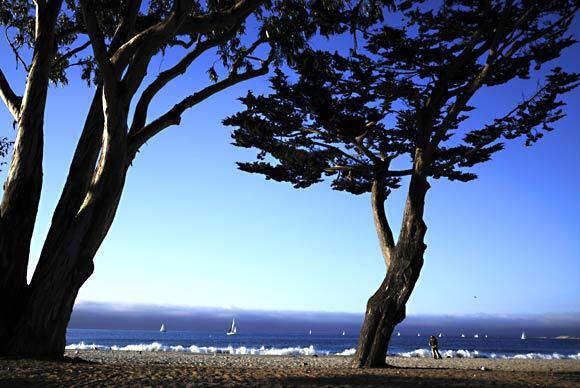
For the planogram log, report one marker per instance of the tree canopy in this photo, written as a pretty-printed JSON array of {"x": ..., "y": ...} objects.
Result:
[
  {"x": 349, "y": 116},
  {"x": 114, "y": 43},
  {"x": 247, "y": 36},
  {"x": 404, "y": 99},
  {"x": 288, "y": 23}
]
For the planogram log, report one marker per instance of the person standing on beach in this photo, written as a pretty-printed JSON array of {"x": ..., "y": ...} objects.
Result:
[{"x": 434, "y": 344}]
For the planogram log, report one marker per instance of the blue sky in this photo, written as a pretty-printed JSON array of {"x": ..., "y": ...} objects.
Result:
[{"x": 192, "y": 230}]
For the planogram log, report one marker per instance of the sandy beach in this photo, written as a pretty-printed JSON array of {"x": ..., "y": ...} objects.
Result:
[{"x": 114, "y": 368}]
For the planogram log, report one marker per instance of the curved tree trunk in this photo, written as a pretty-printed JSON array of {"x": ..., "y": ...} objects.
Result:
[
  {"x": 34, "y": 321},
  {"x": 23, "y": 185},
  {"x": 41, "y": 328},
  {"x": 386, "y": 308},
  {"x": 79, "y": 177},
  {"x": 80, "y": 222}
]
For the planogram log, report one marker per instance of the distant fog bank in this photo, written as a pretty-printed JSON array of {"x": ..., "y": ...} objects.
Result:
[{"x": 91, "y": 315}]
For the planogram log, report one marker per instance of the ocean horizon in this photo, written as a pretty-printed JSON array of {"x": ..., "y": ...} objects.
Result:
[
  {"x": 203, "y": 330},
  {"x": 320, "y": 344}
]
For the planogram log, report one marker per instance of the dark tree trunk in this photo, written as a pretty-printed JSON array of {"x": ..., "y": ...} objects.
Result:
[
  {"x": 23, "y": 185},
  {"x": 33, "y": 318},
  {"x": 386, "y": 308},
  {"x": 64, "y": 268},
  {"x": 80, "y": 222},
  {"x": 79, "y": 176},
  {"x": 42, "y": 326}
]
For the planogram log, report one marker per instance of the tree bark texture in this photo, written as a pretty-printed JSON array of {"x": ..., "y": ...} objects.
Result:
[
  {"x": 68, "y": 263},
  {"x": 23, "y": 185},
  {"x": 386, "y": 308},
  {"x": 78, "y": 179},
  {"x": 34, "y": 317}
]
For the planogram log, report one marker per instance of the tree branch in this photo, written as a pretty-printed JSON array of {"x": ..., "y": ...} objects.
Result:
[
  {"x": 173, "y": 116},
  {"x": 204, "y": 24},
  {"x": 22, "y": 188},
  {"x": 157, "y": 36},
  {"x": 99, "y": 48},
  {"x": 471, "y": 88},
  {"x": 86, "y": 153},
  {"x": 191, "y": 25},
  {"x": 10, "y": 98},
  {"x": 389, "y": 173},
  {"x": 71, "y": 53},
  {"x": 384, "y": 232},
  {"x": 496, "y": 56},
  {"x": 516, "y": 45},
  {"x": 341, "y": 152},
  {"x": 358, "y": 143},
  {"x": 140, "y": 115},
  {"x": 127, "y": 26},
  {"x": 399, "y": 173},
  {"x": 246, "y": 54},
  {"x": 518, "y": 107},
  {"x": 15, "y": 51},
  {"x": 338, "y": 168}
]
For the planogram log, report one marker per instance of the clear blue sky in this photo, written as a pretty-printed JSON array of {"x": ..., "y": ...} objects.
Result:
[{"x": 193, "y": 230}]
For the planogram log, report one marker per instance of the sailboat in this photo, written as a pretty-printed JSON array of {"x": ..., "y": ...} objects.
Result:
[
  {"x": 462, "y": 335},
  {"x": 398, "y": 334},
  {"x": 486, "y": 336},
  {"x": 418, "y": 334},
  {"x": 476, "y": 336},
  {"x": 232, "y": 330},
  {"x": 162, "y": 328},
  {"x": 523, "y": 335},
  {"x": 310, "y": 332},
  {"x": 343, "y": 333},
  {"x": 440, "y": 335}
]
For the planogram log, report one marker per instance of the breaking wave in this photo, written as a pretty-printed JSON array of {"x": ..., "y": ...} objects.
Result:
[
  {"x": 158, "y": 347},
  {"x": 83, "y": 346},
  {"x": 461, "y": 353},
  {"x": 347, "y": 352},
  {"x": 309, "y": 351}
]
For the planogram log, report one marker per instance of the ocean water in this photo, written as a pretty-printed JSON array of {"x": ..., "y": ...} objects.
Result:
[{"x": 319, "y": 344}]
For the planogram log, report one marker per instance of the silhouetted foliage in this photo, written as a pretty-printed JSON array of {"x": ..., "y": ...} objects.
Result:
[
  {"x": 114, "y": 43},
  {"x": 4, "y": 147},
  {"x": 280, "y": 18},
  {"x": 349, "y": 117},
  {"x": 404, "y": 100}
]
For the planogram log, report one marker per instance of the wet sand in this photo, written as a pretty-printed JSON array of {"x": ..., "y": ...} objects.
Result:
[{"x": 117, "y": 368}]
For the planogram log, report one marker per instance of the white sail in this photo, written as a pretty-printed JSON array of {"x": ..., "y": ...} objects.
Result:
[
  {"x": 523, "y": 335},
  {"x": 440, "y": 335},
  {"x": 233, "y": 330},
  {"x": 310, "y": 332},
  {"x": 398, "y": 334},
  {"x": 343, "y": 332},
  {"x": 162, "y": 329},
  {"x": 462, "y": 335}
]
